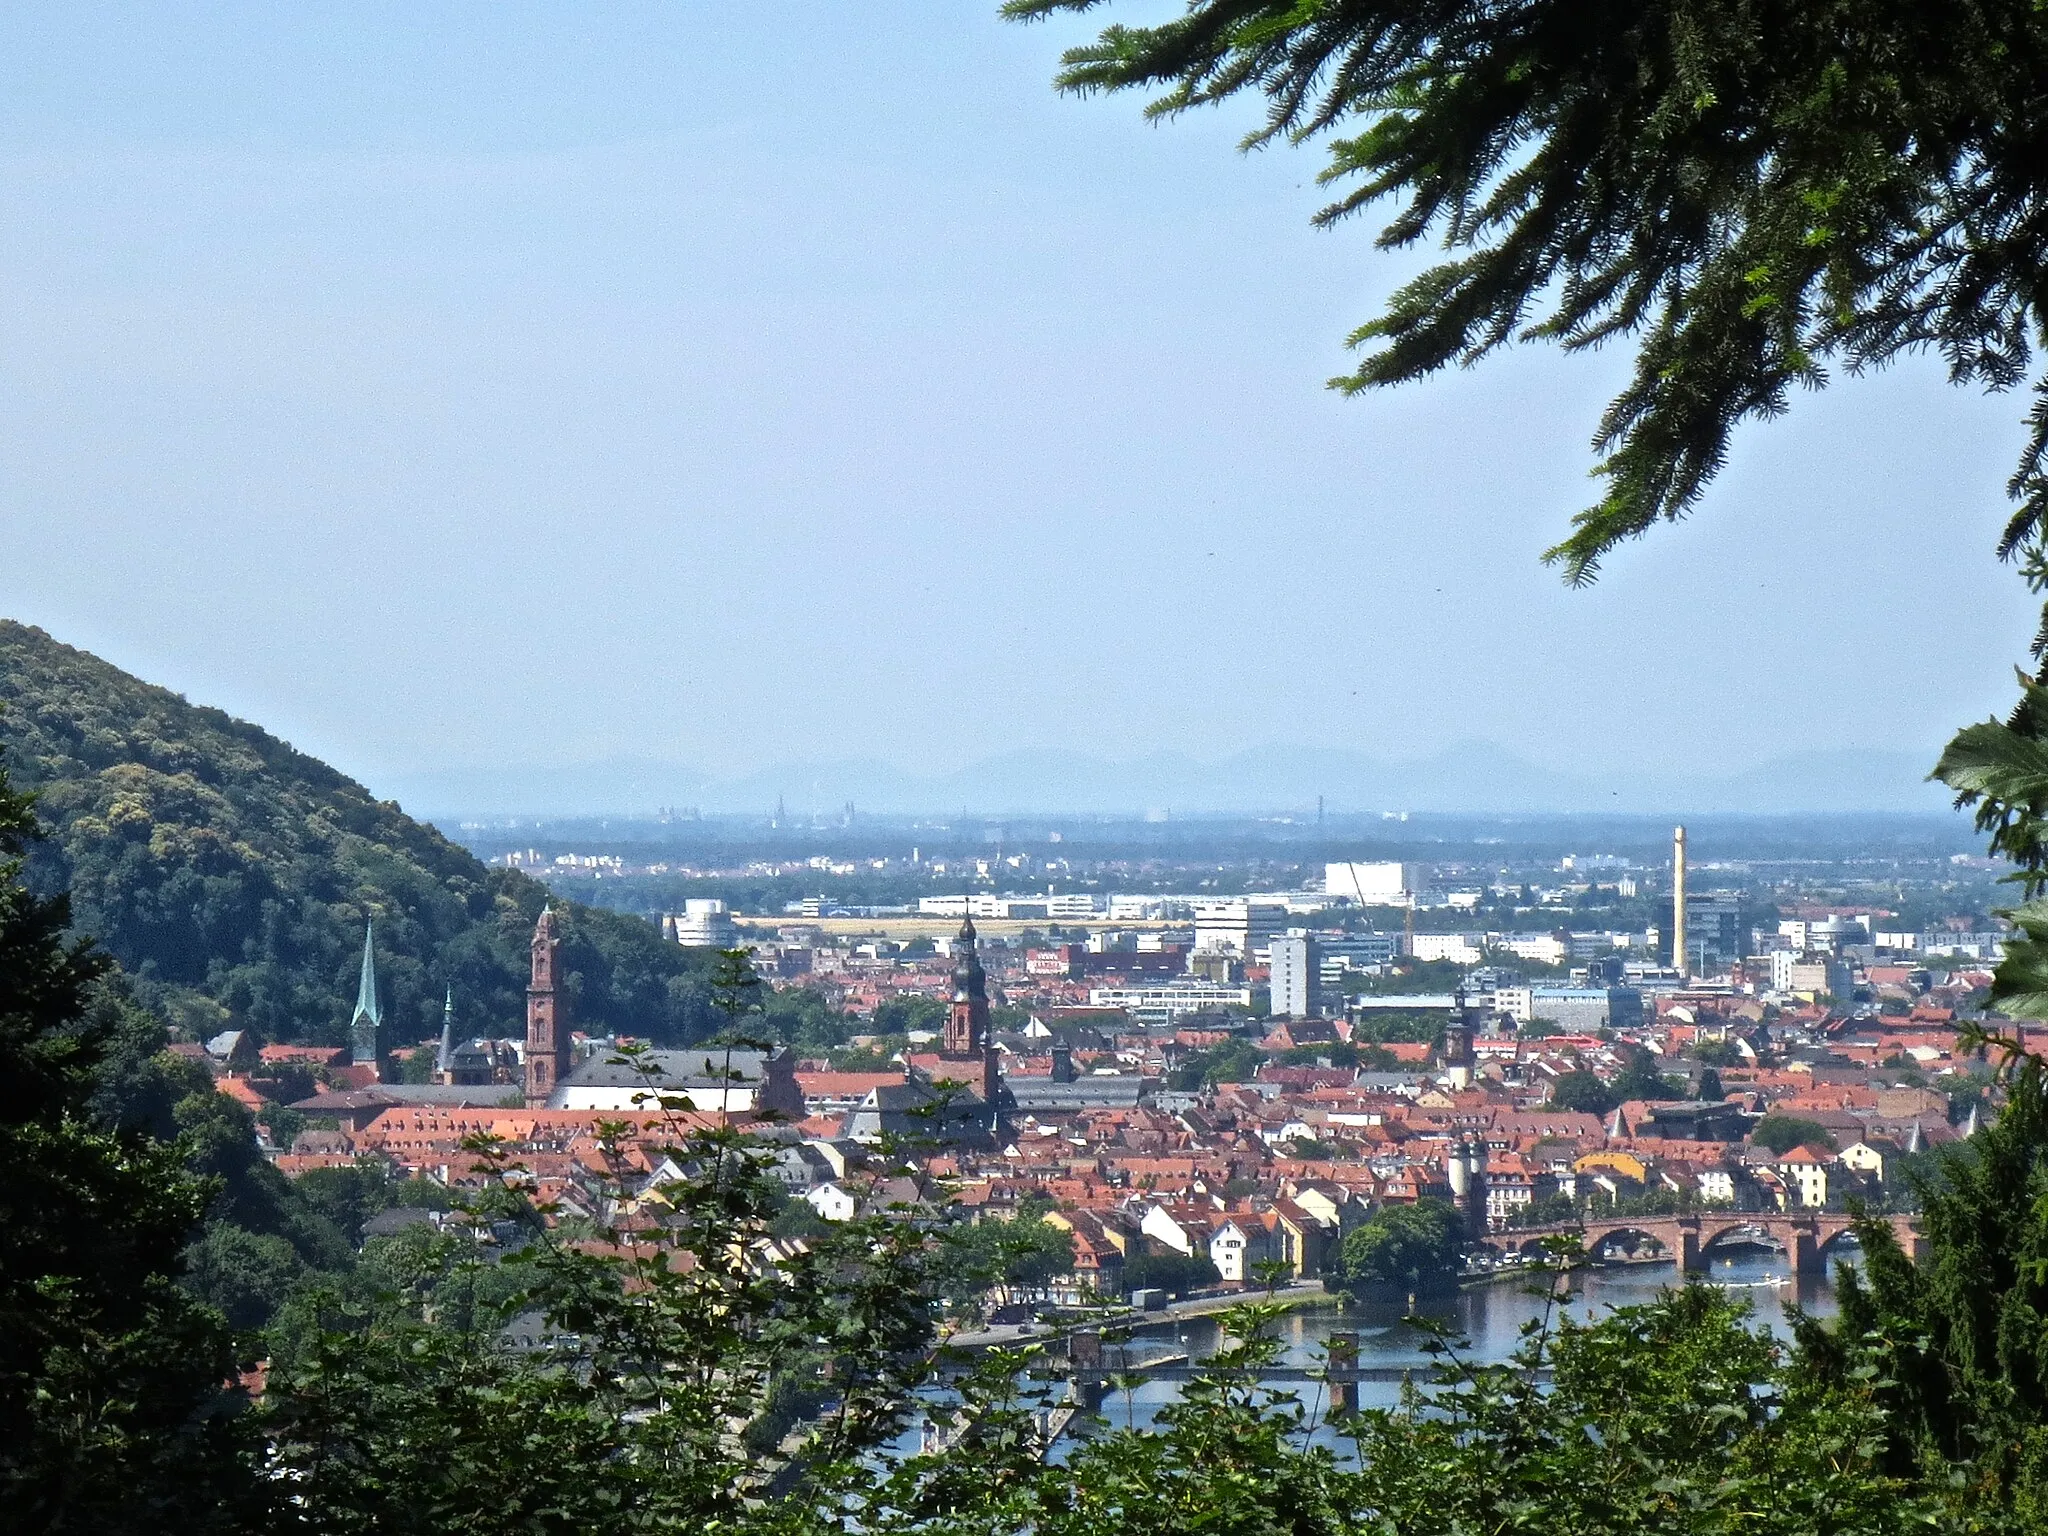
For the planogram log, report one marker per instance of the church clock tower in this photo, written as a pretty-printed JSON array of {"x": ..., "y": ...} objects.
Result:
[
  {"x": 547, "y": 1024},
  {"x": 968, "y": 1037}
]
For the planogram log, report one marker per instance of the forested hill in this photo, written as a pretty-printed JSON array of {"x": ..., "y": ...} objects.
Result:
[{"x": 231, "y": 874}]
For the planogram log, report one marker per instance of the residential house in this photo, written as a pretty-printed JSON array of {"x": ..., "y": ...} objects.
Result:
[
  {"x": 1238, "y": 1245},
  {"x": 832, "y": 1201},
  {"x": 1805, "y": 1172}
]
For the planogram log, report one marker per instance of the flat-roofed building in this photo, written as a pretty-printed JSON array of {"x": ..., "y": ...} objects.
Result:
[{"x": 1374, "y": 884}]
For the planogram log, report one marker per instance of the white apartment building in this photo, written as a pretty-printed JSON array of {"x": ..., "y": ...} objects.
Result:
[
  {"x": 1463, "y": 948},
  {"x": 1238, "y": 1244},
  {"x": 1539, "y": 948},
  {"x": 1137, "y": 909},
  {"x": 1969, "y": 946},
  {"x": 1806, "y": 1177},
  {"x": 982, "y": 905},
  {"x": 1164, "y": 1004}
]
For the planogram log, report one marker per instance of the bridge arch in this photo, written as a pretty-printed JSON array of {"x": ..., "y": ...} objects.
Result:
[
  {"x": 1597, "y": 1238},
  {"x": 1759, "y": 1231}
]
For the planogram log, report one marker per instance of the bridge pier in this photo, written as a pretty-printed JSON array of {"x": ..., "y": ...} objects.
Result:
[
  {"x": 1803, "y": 1249},
  {"x": 1341, "y": 1365},
  {"x": 1087, "y": 1386},
  {"x": 1687, "y": 1252}
]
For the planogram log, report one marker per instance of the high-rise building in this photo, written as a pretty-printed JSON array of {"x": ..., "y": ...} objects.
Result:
[
  {"x": 1716, "y": 928},
  {"x": 1297, "y": 976},
  {"x": 547, "y": 1024}
]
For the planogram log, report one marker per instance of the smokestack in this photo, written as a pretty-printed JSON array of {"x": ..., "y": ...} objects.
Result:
[{"x": 1679, "y": 957}]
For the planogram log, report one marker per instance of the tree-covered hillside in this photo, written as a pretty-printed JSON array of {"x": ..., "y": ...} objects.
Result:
[{"x": 231, "y": 875}]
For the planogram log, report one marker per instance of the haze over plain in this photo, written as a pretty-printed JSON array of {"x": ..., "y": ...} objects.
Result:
[{"x": 467, "y": 393}]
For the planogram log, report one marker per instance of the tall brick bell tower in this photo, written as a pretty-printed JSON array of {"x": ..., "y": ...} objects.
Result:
[
  {"x": 547, "y": 1024},
  {"x": 969, "y": 1041}
]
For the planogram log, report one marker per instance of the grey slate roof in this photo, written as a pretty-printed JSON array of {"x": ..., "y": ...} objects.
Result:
[
  {"x": 675, "y": 1071},
  {"x": 1105, "y": 1092}
]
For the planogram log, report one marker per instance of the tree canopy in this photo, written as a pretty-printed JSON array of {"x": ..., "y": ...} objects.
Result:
[
  {"x": 114, "y": 1410},
  {"x": 1781, "y": 1132},
  {"x": 1640, "y": 1079},
  {"x": 1402, "y": 1248},
  {"x": 1583, "y": 1091},
  {"x": 231, "y": 875}
]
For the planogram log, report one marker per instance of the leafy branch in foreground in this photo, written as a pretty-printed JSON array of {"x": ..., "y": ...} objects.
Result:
[
  {"x": 2001, "y": 769},
  {"x": 116, "y": 1409},
  {"x": 1743, "y": 191}
]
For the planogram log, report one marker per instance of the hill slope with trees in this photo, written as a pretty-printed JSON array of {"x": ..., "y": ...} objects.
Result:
[{"x": 230, "y": 874}]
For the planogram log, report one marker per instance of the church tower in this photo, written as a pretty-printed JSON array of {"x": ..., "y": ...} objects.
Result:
[
  {"x": 1456, "y": 1054},
  {"x": 444, "y": 1059},
  {"x": 967, "y": 1023},
  {"x": 547, "y": 1025},
  {"x": 968, "y": 1037},
  {"x": 365, "y": 1026}
]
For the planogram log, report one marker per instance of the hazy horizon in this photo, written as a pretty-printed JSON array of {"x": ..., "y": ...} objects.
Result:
[
  {"x": 442, "y": 388},
  {"x": 1472, "y": 777}
]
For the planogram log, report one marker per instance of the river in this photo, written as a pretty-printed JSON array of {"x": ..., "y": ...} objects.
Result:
[{"x": 1490, "y": 1317}]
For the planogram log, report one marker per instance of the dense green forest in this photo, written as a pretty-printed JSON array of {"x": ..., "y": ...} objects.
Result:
[{"x": 231, "y": 875}]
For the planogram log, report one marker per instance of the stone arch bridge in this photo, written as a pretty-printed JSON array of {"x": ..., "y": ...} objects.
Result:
[{"x": 1691, "y": 1240}]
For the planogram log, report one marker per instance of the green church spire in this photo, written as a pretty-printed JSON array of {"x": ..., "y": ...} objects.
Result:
[{"x": 368, "y": 1018}]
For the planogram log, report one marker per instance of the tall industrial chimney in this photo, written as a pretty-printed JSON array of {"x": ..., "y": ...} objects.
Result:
[{"x": 1679, "y": 957}]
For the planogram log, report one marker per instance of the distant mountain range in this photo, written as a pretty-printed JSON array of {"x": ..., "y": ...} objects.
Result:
[{"x": 1476, "y": 777}]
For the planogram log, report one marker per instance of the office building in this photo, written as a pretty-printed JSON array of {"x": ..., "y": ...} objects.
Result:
[
  {"x": 1716, "y": 929},
  {"x": 1239, "y": 927}
]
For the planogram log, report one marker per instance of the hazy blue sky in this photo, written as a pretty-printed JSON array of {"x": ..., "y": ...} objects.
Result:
[{"x": 458, "y": 384}]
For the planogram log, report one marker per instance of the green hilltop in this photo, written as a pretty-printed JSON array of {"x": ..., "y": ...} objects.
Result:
[{"x": 231, "y": 875}]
